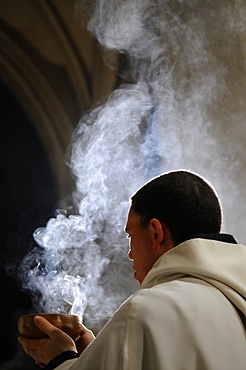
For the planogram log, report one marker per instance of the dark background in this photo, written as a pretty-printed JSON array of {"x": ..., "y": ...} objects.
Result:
[{"x": 28, "y": 199}]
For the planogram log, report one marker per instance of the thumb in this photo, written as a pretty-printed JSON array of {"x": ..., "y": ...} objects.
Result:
[{"x": 45, "y": 326}]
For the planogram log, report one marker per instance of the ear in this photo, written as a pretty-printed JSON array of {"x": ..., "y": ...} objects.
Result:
[
  {"x": 161, "y": 236},
  {"x": 157, "y": 232}
]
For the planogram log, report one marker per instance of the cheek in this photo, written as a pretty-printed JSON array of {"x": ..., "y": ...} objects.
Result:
[{"x": 133, "y": 249}]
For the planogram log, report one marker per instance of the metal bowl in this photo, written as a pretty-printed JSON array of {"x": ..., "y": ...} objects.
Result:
[{"x": 70, "y": 324}]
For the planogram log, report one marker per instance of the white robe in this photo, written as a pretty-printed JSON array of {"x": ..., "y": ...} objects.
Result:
[{"x": 181, "y": 318}]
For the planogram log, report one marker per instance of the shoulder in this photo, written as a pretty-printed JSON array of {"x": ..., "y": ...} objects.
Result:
[{"x": 179, "y": 298}]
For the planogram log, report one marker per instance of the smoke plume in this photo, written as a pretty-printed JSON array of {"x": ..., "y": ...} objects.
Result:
[{"x": 176, "y": 112}]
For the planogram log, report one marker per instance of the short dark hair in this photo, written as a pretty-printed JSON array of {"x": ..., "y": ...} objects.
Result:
[{"x": 183, "y": 200}]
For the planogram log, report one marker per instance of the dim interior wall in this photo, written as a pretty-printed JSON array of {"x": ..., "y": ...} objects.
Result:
[{"x": 55, "y": 69}]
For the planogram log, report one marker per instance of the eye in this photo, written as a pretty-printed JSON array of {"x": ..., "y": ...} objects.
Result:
[{"x": 128, "y": 236}]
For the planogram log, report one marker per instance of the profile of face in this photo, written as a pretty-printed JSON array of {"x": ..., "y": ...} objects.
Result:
[{"x": 142, "y": 246}]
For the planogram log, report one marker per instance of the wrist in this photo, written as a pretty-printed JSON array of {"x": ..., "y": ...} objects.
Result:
[{"x": 58, "y": 360}]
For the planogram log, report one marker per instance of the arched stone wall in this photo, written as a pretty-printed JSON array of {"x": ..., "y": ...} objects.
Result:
[{"x": 54, "y": 68}]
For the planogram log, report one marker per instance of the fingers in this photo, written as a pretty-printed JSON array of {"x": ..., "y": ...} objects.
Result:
[
  {"x": 45, "y": 325},
  {"x": 85, "y": 337},
  {"x": 44, "y": 350},
  {"x": 84, "y": 330},
  {"x": 52, "y": 331}
]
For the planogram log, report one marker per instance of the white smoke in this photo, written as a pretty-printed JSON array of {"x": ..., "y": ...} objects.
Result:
[{"x": 169, "y": 117}]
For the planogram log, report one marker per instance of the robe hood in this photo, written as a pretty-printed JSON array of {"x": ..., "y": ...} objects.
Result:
[{"x": 221, "y": 264}]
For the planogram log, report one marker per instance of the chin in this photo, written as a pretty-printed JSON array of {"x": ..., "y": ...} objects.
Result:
[{"x": 138, "y": 278}]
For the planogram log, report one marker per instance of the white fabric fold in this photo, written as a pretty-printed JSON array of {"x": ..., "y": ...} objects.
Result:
[
  {"x": 222, "y": 265},
  {"x": 181, "y": 318}
]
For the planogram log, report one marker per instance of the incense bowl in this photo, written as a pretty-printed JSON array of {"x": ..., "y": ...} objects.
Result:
[{"x": 70, "y": 324}]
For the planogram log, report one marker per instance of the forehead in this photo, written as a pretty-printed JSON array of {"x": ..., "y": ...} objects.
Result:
[{"x": 133, "y": 220}]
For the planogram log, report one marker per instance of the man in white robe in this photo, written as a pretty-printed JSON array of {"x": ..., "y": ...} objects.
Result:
[{"x": 190, "y": 311}]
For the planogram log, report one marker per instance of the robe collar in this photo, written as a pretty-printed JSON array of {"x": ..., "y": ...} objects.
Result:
[{"x": 227, "y": 238}]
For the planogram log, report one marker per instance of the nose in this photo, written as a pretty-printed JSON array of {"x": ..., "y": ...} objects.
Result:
[{"x": 130, "y": 255}]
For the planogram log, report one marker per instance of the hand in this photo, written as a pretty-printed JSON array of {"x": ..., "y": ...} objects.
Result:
[
  {"x": 84, "y": 338},
  {"x": 44, "y": 350}
]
